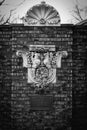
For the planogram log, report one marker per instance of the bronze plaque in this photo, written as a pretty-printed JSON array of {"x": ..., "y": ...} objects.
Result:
[{"x": 41, "y": 102}]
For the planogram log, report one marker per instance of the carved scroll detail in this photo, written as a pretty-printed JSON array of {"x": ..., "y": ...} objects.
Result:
[{"x": 41, "y": 65}]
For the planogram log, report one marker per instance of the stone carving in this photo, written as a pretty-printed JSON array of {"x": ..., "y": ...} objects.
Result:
[
  {"x": 59, "y": 56},
  {"x": 47, "y": 60},
  {"x": 35, "y": 59},
  {"x": 41, "y": 14},
  {"x": 41, "y": 64}
]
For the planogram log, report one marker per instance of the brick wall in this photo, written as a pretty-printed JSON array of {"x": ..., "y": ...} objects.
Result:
[
  {"x": 15, "y": 94},
  {"x": 5, "y": 77},
  {"x": 79, "y": 76}
]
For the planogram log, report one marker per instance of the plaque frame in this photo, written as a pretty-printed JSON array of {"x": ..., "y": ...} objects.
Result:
[{"x": 41, "y": 102}]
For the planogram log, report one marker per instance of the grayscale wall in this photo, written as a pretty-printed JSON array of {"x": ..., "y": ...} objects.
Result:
[{"x": 68, "y": 92}]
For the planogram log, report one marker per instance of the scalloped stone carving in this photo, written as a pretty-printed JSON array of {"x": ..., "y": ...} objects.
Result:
[{"x": 42, "y": 15}]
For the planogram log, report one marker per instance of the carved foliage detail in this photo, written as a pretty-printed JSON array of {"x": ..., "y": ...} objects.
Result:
[{"x": 41, "y": 65}]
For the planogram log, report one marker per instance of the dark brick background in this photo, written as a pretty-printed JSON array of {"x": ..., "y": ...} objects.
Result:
[
  {"x": 79, "y": 77},
  {"x": 5, "y": 77},
  {"x": 70, "y": 88}
]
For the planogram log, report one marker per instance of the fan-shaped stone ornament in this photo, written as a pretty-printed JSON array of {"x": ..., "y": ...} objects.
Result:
[{"x": 42, "y": 15}]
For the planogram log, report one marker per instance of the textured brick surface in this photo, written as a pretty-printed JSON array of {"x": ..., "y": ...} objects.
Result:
[
  {"x": 15, "y": 92},
  {"x": 80, "y": 77},
  {"x": 5, "y": 77}
]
